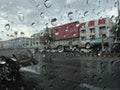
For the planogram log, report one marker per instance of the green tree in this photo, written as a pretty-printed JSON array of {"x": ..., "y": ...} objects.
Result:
[{"x": 47, "y": 37}]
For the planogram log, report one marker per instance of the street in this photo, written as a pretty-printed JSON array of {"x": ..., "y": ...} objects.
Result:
[{"x": 56, "y": 73}]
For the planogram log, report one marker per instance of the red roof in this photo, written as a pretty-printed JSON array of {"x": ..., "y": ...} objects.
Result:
[{"x": 66, "y": 31}]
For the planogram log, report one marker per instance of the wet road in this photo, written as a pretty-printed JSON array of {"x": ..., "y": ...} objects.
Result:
[
  {"x": 52, "y": 75},
  {"x": 31, "y": 79}
]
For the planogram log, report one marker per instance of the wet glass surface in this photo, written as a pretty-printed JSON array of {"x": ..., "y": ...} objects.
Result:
[{"x": 59, "y": 45}]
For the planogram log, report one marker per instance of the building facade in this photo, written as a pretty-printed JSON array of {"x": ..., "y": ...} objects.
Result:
[{"x": 92, "y": 32}]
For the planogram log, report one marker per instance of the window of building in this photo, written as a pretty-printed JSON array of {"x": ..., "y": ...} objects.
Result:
[
  {"x": 92, "y": 30},
  {"x": 91, "y": 23},
  {"x": 83, "y": 31},
  {"x": 102, "y": 21},
  {"x": 37, "y": 43},
  {"x": 83, "y": 38},
  {"x": 82, "y": 25},
  {"x": 104, "y": 35},
  {"x": 92, "y": 37}
]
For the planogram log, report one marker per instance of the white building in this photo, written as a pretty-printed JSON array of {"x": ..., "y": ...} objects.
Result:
[{"x": 92, "y": 32}]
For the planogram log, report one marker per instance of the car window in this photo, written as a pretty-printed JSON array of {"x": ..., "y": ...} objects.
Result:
[{"x": 59, "y": 45}]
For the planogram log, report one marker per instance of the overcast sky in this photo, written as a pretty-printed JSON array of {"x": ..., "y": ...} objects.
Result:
[{"x": 31, "y": 16}]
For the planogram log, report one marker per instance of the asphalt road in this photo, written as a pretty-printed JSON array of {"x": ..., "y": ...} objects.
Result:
[
  {"x": 53, "y": 73},
  {"x": 31, "y": 79}
]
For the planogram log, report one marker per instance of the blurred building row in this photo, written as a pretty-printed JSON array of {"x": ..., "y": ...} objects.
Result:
[{"x": 76, "y": 33}]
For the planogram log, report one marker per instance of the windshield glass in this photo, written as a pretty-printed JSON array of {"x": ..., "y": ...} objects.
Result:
[{"x": 60, "y": 44}]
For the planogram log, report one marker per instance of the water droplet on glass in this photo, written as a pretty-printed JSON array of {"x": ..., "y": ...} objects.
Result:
[
  {"x": 50, "y": 85},
  {"x": 99, "y": 1},
  {"x": 115, "y": 4},
  {"x": 74, "y": 34},
  {"x": 6, "y": 88},
  {"x": 112, "y": 63},
  {"x": 22, "y": 33},
  {"x": 94, "y": 77},
  {"x": 33, "y": 24},
  {"x": 98, "y": 13},
  {"x": 75, "y": 73},
  {"x": 54, "y": 21},
  {"x": 39, "y": 6},
  {"x": 22, "y": 88},
  {"x": 70, "y": 15},
  {"x": 77, "y": 24},
  {"x": 57, "y": 32},
  {"x": 50, "y": 79},
  {"x": 43, "y": 55},
  {"x": 113, "y": 18},
  {"x": 7, "y": 26},
  {"x": 85, "y": 13},
  {"x": 21, "y": 17},
  {"x": 88, "y": 1},
  {"x": 64, "y": 36},
  {"x": 93, "y": 10},
  {"x": 7, "y": 34},
  {"x": 42, "y": 14},
  {"x": 48, "y": 3},
  {"x": 99, "y": 79},
  {"x": 44, "y": 68},
  {"x": 63, "y": 80}
]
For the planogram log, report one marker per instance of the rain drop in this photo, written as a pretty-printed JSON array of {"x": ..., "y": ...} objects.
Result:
[
  {"x": 6, "y": 88},
  {"x": 107, "y": 1},
  {"x": 85, "y": 13},
  {"x": 50, "y": 79},
  {"x": 7, "y": 34},
  {"x": 42, "y": 14},
  {"x": 112, "y": 17},
  {"x": 22, "y": 33},
  {"x": 88, "y": 1},
  {"x": 54, "y": 21},
  {"x": 115, "y": 4},
  {"x": 39, "y": 6},
  {"x": 48, "y": 3},
  {"x": 44, "y": 68},
  {"x": 94, "y": 77},
  {"x": 99, "y": 1},
  {"x": 22, "y": 88},
  {"x": 63, "y": 80},
  {"x": 57, "y": 33},
  {"x": 74, "y": 34},
  {"x": 33, "y": 24},
  {"x": 7, "y": 26},
  {"x": 99, "y": 79},
  {"x": 93, "y": 10},
  {"x": 21, "y": 17},
  {"x": 50, "y": 85},
  {"x": 77, "y": 24},
  {"x": 75, "y": 73},
  {"x": 98, "y": 13},
  {"x": 70, "y": 15}
]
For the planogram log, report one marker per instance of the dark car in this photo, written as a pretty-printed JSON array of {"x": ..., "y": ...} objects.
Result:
[
  {"x": 9, "y": 68},
  {"x": 10, "y": 64}
]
